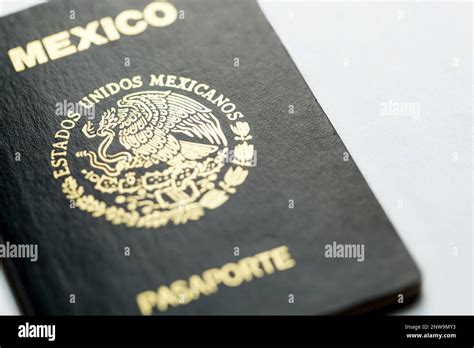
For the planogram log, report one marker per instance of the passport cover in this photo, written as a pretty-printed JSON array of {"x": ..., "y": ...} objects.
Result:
[{"x": 168, "y": 158}]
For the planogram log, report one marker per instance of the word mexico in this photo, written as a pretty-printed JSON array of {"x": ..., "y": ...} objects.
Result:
[
  {"x": 232, "y": 274},
  {"x": 59, "y": 45},
  {"x": 19, "y": 251},
  {"x": 37, "y": 331}
]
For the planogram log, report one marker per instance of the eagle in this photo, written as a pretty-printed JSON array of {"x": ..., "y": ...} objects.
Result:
[{"x": 154, "y": 127}]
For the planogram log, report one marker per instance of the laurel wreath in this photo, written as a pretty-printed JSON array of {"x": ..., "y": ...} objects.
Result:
[
  {"x": 212, "y": 199},
  {"x": 117, "y": 215}
]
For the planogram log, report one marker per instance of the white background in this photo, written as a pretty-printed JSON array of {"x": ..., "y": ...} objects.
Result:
[{"x": 360, "y": 57}]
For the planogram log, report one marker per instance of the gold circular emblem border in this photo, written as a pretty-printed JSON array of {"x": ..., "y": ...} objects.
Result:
[{"x": 243, "y": 154}]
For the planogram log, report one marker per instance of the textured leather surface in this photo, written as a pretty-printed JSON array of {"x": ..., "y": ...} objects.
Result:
[{"x": 300, "y": 158}]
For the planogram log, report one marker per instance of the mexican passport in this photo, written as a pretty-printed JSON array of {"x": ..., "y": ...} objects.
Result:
[{"x": 168, "y": 158}]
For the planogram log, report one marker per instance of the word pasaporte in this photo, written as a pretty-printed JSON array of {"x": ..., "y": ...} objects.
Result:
[{"x": 232, "y": 274}]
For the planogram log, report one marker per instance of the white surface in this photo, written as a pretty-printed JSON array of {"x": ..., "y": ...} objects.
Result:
[{"x": 358, "y": 57}]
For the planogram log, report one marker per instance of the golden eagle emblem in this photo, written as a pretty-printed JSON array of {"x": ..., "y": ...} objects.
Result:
[
  {"x": 147, "y": 125},
  {"x": 155, "y": 157}
]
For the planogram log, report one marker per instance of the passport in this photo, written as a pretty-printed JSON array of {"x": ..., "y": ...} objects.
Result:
[{"x": 168, "y": 158}]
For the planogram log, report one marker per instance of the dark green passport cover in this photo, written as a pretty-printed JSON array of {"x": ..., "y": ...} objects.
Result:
[{"x": 205, "y": 179}]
